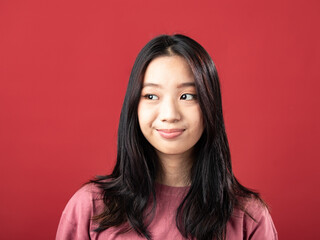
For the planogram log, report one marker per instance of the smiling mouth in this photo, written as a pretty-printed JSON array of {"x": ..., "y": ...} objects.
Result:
[{"x": 170, "y": 133}]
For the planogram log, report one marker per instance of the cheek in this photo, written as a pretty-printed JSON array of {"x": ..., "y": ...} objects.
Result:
[
  {"x": 198, "y": 124},
  {"x": 145, "y": 117},
  {"x": 197, "y": 119},
  {"x": 140, "y": 117},
  {"x": 199, "y": 127}
]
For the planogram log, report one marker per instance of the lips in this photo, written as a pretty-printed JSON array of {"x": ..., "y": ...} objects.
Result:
[{"x": 170, "y": 133}]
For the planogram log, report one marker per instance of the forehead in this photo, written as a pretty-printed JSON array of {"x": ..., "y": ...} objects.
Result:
[{"x": 168, "y": 70}]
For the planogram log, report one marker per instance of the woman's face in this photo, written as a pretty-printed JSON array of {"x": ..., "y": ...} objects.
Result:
[{"x": 169, "y": 114}]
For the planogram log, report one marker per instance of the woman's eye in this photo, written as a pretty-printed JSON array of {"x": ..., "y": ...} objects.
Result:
[
  {"x": 188, "y": 96},
  {"x": 151, "y": 97}
]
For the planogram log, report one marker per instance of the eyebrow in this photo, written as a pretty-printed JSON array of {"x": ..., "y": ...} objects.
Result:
[{"x": 182, "y": 85}]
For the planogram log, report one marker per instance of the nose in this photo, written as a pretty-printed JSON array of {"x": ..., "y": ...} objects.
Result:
[{"x": 169, "y": 111}]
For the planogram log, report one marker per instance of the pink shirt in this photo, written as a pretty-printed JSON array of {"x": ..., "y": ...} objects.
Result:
[{"x": 76, "y": 224}]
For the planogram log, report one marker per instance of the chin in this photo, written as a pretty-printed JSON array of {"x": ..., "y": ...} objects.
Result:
[{"x": 173, "y": 151}]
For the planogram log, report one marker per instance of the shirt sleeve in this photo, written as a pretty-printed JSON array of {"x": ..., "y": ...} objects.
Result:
[
  {"x": 75, "y": 222},
  {"x": 261, "y": 227}
]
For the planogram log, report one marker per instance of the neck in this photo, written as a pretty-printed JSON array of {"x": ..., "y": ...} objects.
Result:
[{"x": 174, "y": 170}]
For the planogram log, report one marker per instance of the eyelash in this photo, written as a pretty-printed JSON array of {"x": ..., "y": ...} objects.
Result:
[
  {"x": 194, "y": 96},
  {"x": 149, "y": 96}
]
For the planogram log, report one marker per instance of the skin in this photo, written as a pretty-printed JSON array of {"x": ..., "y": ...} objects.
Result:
[{"x": 170, "y": 117}]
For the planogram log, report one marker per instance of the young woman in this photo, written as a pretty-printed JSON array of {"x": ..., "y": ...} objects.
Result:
[{"x": 173, "y": 177}]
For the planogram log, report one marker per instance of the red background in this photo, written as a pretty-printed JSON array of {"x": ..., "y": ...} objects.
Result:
[{"x": 64, "y": 66}]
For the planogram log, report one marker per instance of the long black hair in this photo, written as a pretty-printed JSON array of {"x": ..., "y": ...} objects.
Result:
[{"x": 130, "y": 188}]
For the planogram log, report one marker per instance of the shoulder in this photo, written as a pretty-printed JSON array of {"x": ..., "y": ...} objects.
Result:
[
  {"x": 76, "y": 217},
  {"x": 89, "y": 192},
  {"x": 84, "y": 200},
  {"x": 255, "y": 210},
  {"x": 254, "y": 221}
]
